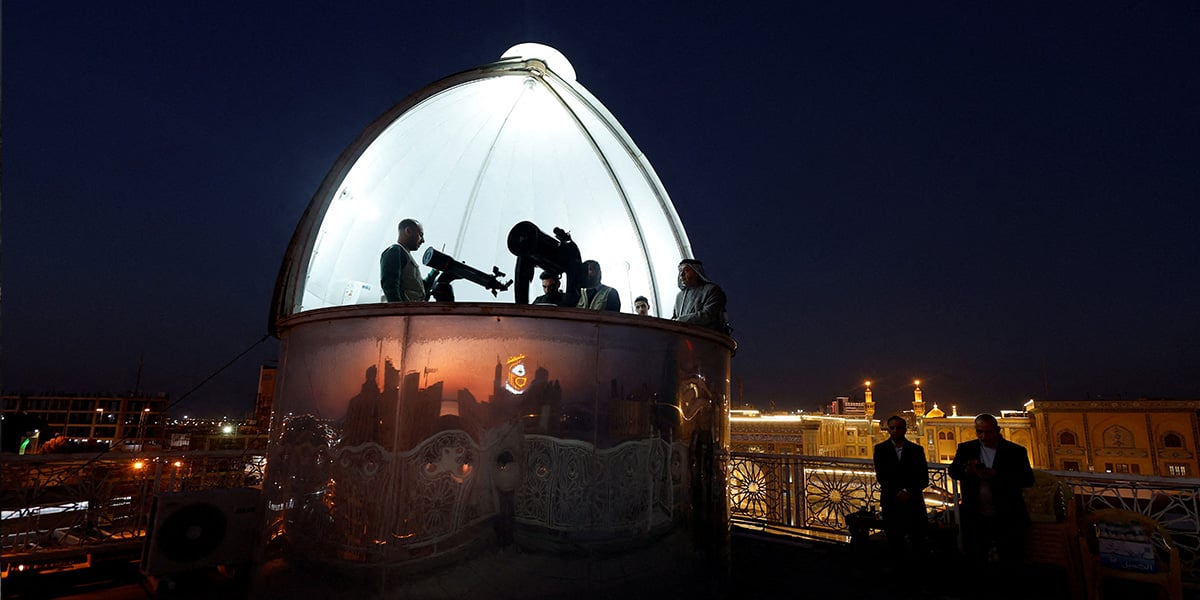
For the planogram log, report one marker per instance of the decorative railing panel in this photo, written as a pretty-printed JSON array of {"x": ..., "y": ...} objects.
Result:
[
  {"x": 439, "y": 493},
  {"x": 574, "y": 486},
  {"x": 816, "y": 492},
  {"x": 1170, "y": 501}
]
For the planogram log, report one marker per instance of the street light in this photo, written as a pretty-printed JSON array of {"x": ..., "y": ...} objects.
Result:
[{"x": 142, "y": 428}]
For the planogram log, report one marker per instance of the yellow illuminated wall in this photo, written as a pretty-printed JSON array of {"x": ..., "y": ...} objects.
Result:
[{"x": 1130, "y": 437}]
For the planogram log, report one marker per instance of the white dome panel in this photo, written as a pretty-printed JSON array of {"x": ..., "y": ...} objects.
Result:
[{"x": 472, "y": 155}]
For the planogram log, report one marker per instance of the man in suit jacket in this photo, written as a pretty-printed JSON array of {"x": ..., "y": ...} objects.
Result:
[
  {"x": 903, "y": 476},
  {"x": 992, "y": 472}
]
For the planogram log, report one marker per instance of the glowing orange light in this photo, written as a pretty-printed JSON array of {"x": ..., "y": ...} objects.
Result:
[
  {"x": 916, "y": 382},
  {"x": 868, "y": 384},
  {"x": 137, "y": 464},
  {"x": 178, "y": 463}
]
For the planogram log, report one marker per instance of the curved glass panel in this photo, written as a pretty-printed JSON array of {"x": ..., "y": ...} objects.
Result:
[
  {"x": 400, "y": 436},
  {"x": 472, "y": 155}
]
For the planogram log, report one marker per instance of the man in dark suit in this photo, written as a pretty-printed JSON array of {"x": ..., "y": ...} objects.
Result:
[
  {"x": 992, "y": 472},
  {"x": 903, "y": 476}
]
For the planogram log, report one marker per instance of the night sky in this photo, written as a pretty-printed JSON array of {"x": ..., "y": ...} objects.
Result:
[{"x": 999, "y": 199}]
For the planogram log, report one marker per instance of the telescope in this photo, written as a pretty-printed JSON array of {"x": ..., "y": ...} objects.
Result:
[
  {"x": 534, "y": 249},
  {"x": 452, "y": 269}
]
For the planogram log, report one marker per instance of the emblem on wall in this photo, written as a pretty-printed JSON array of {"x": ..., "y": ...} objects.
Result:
[{"x": 517, "y": 377}]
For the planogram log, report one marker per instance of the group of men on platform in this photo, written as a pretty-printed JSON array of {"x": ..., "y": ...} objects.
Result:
[
  {"x": 992, "y": 472},
  {"x": 699, "y": 301}
]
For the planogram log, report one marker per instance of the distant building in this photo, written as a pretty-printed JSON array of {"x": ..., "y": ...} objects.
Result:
[
  {"x": 1147, "y": 436},
  {"x": 1137, "y": 437},
  {"x": 851, "y": 430},
  {"x": 809, "y": 434},
  {"x": 941, "y": 434},
  {"x": 119, "y": 421},
  {"x": 848, "y": 430},
  {"x": 847, "y": 406},
  {"x": 213, "y": 434},
  {"x": 265, "y": 400}
]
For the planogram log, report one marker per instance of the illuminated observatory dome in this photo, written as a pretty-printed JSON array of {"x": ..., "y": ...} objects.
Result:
[{"x": 472, "y": 155}]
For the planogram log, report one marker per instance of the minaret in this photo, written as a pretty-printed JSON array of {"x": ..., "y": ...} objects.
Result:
[
  {"x": 869, "y": 404},
  {"x": 918, "y": 428},
  {"x": 918, "y": 401}
]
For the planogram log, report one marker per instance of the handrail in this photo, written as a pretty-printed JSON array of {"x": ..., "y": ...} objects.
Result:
[{"x": 816, "y": 493}]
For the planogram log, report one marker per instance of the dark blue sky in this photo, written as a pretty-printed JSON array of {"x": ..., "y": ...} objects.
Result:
[{"x": 998, "y": 198}]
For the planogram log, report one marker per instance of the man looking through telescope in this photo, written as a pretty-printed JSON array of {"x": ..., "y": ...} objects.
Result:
[
  {"x": 398, "y": 272},
  {"x": 550, "y": 286}
]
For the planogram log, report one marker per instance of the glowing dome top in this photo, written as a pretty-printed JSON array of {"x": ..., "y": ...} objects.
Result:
[{"x": 470, "y": 156}]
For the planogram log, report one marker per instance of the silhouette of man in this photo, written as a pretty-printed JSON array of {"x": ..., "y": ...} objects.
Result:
[
  {"x": 993, "y": 472},
  {"x": 596, "y": 295},
  {"x": 903, "y": 475},
  {"x": 699, "y": 300},
  {"x": 398, "y": 271}
]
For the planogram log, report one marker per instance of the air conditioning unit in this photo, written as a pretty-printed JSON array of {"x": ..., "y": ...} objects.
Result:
[{"x": 190, "y": 531}]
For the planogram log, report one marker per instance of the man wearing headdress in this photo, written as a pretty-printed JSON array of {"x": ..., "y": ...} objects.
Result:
[{"x": 699, "y": 300}]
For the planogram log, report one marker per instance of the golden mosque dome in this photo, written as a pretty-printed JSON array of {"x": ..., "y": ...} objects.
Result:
[{"x": 934, "y": 413}]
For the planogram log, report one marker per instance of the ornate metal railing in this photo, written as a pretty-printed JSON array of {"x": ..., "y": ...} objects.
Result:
[
  {"x": 817, "y": 493},
  {"x": 1170, "y": 501},
  {"x": 59, "y": 505}
]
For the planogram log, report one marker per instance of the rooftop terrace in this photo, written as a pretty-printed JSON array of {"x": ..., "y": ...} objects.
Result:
[{"x": 787, "y": 538}]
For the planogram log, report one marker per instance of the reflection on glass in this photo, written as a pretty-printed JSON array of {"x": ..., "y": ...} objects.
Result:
[{"x": 398, "y": 447}]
